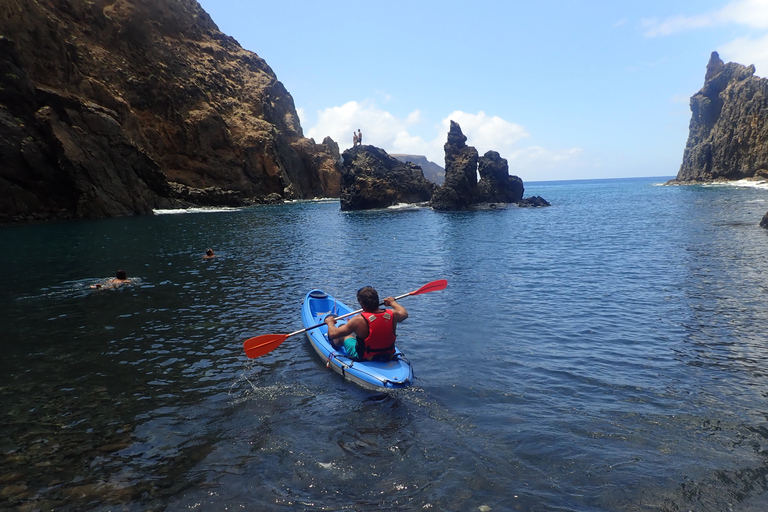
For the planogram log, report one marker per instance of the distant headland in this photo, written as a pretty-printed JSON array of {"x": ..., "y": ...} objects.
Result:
[{"x": 432, "y": 171}]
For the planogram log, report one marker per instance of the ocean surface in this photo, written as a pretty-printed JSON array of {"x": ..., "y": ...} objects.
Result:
[{"x": 608, "y": 353}]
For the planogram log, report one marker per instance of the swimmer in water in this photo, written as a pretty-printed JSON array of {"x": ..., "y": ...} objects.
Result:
[
  {"x": 120, "y": 279},
  {"x": 209, "y": 254}
]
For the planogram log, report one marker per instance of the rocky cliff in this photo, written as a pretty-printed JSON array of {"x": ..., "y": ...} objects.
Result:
[
  {"x": 728, "y": 133},
  {"x": 373, "y": 179},
  {"x": 116, "y": 107}
]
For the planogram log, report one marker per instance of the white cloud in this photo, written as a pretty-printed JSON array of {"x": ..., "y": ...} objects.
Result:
[
  {"x": 493, "y": 133},
  {"x": 486, "y": 132},
  {"x": 394, "y": 135},
  {"x": 747, "y": 51},
  {"x": 752, "y": 13},
  {"x": 537, "y": 163},
  {"x": 414, "y": 117},
  {"x": 655, "y": 27},
  {"x": 379, "y": 127}
]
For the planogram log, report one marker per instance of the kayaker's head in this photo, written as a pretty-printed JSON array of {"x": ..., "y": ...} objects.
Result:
[
  {"x": 368, "y": 298},
  {"x": 122, "y": 275}
]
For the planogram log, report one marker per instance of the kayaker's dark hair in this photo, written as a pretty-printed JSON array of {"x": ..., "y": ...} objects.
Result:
[
  {"x": 121, "y": 274},
  {"x": 368, "y": 298}
]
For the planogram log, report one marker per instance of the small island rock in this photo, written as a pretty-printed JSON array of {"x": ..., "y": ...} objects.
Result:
[{"x": 370, "y": 178}]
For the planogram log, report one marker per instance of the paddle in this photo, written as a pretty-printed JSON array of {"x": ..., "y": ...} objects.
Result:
[{"x": 260, "y": 345}]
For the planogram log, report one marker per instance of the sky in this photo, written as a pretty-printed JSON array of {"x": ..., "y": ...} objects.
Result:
[{"x": 562, "y": 89}]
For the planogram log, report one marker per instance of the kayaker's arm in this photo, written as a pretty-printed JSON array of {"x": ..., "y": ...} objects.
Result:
[
  {"x": 400, "y": 313},
  {"x": 343, "y": 330}
]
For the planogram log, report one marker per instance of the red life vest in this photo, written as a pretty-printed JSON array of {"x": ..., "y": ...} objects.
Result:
[{"x": 380, "y": 342}]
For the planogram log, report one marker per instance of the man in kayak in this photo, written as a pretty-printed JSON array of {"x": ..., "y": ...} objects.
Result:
[{"x": 371, "y": 334}]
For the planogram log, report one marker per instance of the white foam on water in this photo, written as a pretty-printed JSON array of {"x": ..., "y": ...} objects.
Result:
[
  {"x": 407, "y": 206},
  {"x": 746, "y": 183},
  {"x": 176, "y": 211},
  {"x": 317, "y": 200}
]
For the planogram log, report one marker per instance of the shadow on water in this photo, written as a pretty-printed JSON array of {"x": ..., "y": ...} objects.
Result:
[{"x": 343, "y": 447}]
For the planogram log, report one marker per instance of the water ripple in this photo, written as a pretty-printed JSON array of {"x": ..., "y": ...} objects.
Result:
[{"x": 602, "y": 354}]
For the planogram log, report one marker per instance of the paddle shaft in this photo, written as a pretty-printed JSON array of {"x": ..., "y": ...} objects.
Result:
[
  {"x": 340, "y": 317},
  {"x": 260, "y": 345}
]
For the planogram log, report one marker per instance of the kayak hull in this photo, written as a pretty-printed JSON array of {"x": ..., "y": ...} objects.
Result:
[{"x": 373, "y": 375}]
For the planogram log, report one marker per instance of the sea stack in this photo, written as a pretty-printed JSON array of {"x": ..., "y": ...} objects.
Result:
[
  {"x": 728, "y": 133},
  {"x": 462, "y": 190}
]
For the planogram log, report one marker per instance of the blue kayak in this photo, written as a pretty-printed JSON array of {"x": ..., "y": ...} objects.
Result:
[{"x": 373, "y": 375}]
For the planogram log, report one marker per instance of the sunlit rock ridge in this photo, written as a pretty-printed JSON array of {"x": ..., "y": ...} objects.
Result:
[
  {"x": 728, "y": 133},
  {"x": 115, "y": 108}
]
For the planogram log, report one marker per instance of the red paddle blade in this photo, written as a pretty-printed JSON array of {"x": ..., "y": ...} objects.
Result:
[
  {"x": 264, "y": 344},
  {"x": 434, "y": 286}
]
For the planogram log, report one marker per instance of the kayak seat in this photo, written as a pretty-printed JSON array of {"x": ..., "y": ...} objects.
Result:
[{"x": 317, "y": 294}]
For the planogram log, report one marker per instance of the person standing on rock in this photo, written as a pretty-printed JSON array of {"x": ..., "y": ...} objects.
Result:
[
  {"x": 354, "y": 139},
  {"x": 359, "y": 137}
]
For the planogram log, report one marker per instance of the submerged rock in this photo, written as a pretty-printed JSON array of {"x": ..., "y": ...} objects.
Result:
[{"x": 533, "y": 202}]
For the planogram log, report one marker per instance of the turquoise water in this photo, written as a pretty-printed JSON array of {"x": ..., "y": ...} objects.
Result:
[{"x": 606, "y": 353}]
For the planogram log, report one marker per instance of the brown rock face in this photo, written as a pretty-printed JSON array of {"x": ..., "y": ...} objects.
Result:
[
  {"x": 373, "y": 179},
  {"x": 104, "y": 105},
  {"x": 728, "y": 133}
]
